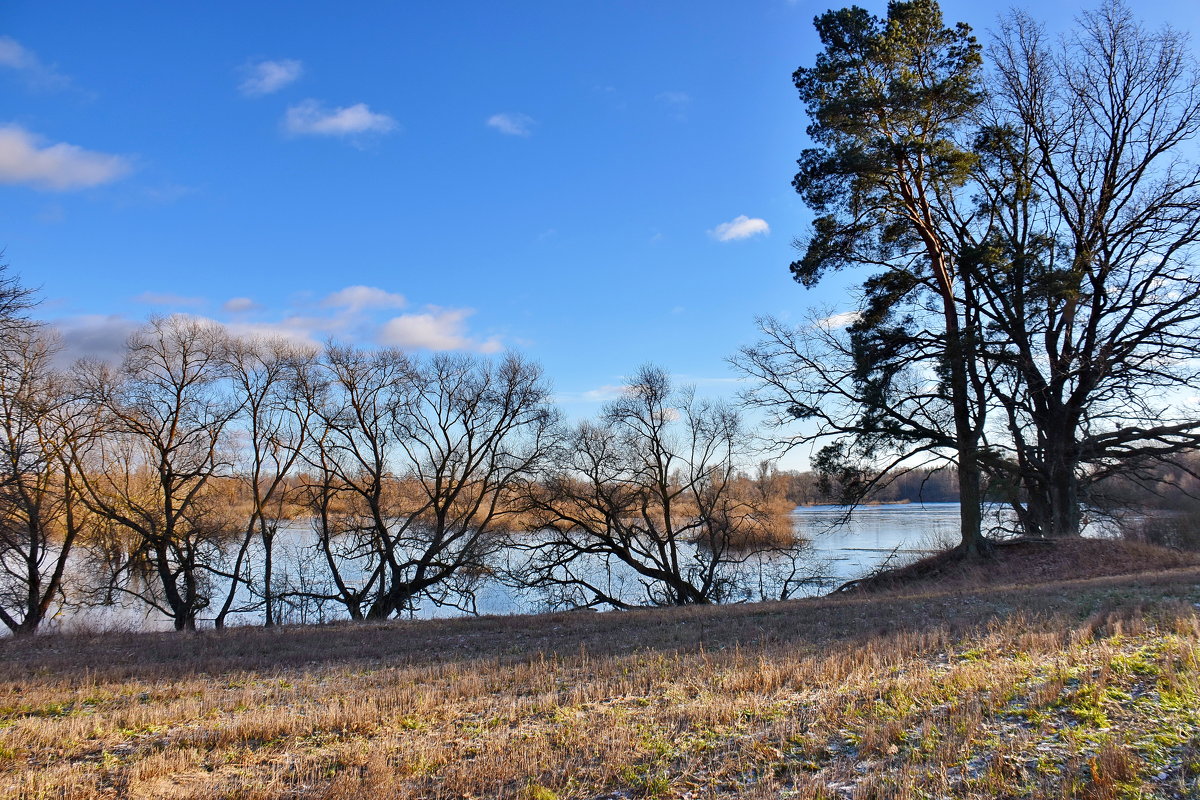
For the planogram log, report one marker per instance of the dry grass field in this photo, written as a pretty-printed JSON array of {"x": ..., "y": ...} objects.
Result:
[{"x": 1084, "y": 688}]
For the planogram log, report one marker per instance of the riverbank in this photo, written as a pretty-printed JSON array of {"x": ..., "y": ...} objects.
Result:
[
  {"x": 1018, "y": 561},
  {"x": 1077, "y": 687}
]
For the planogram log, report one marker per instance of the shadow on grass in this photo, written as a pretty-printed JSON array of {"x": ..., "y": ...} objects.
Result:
[{"x": 818, "y": 623}]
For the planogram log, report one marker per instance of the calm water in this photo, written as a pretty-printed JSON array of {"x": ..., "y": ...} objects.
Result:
[
  {"x": 874, "y": 534},
  {"x": 842, "y": 549}
]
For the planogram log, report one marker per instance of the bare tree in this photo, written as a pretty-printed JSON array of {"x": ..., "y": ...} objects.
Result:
[
  {"x": 160, "y": 421},
  {"x": 41, "y": 517},
  {"x": 648, "y": 493},
  {"x": 15, "y": 302},
  {"x": 873, "y": 433},
  {"x": 355, "y": 403},
  {"x": 270, "y": 379},
  {"x": 415, "y": 463},
  {"x": 1088, "y": 266}
]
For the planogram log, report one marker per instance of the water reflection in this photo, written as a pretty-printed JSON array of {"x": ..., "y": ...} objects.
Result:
[{"x": 843, "y": 547}]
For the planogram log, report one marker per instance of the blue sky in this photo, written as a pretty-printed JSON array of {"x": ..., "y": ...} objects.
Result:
[{"x": 596, "y": 184}]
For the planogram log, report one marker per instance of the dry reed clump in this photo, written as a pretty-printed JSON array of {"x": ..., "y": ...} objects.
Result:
[{"x": 1089, "y": 690}]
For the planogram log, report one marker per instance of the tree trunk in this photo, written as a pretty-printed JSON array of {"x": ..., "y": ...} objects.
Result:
[
  {"x": 268, "y": 542},
  {"x": 180, "y": 607},
  {"x": 970, "y": 492},
  {"x": 28, "y": 627},
  {"x": 970, "y": 503},
  {"x": 231, "y": 595},
  {"x": 1053, "y": 488},
  {"x": 1064, "y": 500},
  {"x": 393, "y": 600}
]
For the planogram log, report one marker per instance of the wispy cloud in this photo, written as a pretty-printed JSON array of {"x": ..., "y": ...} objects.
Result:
[
  {"x": 674, "y": 99},
  {"x": 311, "y": 118},
  {"x": 26, "y": 158},
  {"x": 599, "y": 394},
  {"x": 437, "y": 329},
  {"x": 675, "y": 102},
  {"x": 842, "y": 320},
  {"x": 15, "y": 56},
  {"x": 239, "y": 305},
  {"x": 169, "y": 299},
  {"x": 357, "y": 298},
  {"x": 603, "y": 393},
  {"x": 267, "y": 77},
  {"x": 297, "y": 328},
  {"x": 512, "y": 123},
  {"x": 741, "y": 227}
]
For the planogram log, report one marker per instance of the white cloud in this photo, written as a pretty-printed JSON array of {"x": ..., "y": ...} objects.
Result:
[
  {"x": 310, "y": 118},
  {"x": 26, "y": 159},
  {"x": 239, "y": 305},
  {"x": 95, "y": 336},
  {"x": 266, "y": 77},
  {"x": 434, "y": 328},
  {"x": 741, "y": 227},
  {"x": 20, "y": 58},
  {"x": 167, "y": 299},
  {"x": 512, "y": 124},
  {"x": 842, "y": 320},
  {"x": 307, "y": 331},
  {"x": 356, "y": 298},
  {"x": 438, "y": 329},
  {"x": 602, "y": 394},
  {"x": 599, "y": 395}
]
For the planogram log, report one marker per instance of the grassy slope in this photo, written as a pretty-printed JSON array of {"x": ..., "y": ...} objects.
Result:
[{"x": 1085, "y": 688}]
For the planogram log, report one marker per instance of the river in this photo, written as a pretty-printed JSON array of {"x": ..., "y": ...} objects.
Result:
[{"x": 842, "y": 547}]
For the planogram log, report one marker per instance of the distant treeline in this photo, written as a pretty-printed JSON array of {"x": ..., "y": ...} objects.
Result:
[
  {"x": 916, "y": 486},
  {"x": 1157, "y": 486},
  {"x": 1173, "y": 486}
]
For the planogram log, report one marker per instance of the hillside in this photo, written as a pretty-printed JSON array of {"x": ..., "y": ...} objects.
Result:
[
  {"x": 1023, "y": 561},
  {"x": 1067, "y": 687}
]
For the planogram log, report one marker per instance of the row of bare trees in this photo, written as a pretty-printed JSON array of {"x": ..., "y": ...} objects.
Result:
[{"x": 168, "y": 481}]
